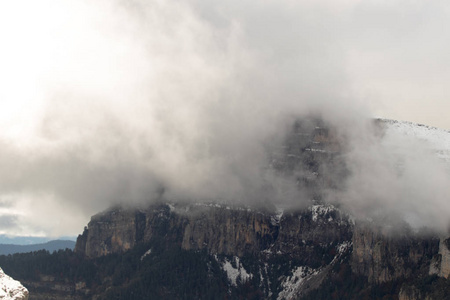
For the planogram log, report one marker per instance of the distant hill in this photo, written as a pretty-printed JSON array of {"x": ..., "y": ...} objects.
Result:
[
  {"x": 50, "y": 246},
  {"x": 30, "y": 240}
]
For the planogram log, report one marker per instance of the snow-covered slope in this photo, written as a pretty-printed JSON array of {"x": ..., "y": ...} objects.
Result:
[
  {"x": 11, "y": 289},
  {"x": 434, "y": 138}
]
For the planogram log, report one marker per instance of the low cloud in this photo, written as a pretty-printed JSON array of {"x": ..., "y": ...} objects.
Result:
[{"x": 126, "y": 99}]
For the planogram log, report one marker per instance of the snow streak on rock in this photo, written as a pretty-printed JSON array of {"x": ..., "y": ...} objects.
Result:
[
  {"x": 321, "y": 210},
  {"x": 148, "y": 252},
  {"x": 235, "y": 271},
  {"x": 294, "y": 283}
]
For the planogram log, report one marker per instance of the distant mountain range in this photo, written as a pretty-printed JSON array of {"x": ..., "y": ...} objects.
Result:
[
  {"x": 30, "y": 240},
  {"x": 50, "y": 246}
]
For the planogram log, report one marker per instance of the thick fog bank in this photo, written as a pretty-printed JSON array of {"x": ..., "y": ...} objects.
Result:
[{"x": 109, "y": 102}]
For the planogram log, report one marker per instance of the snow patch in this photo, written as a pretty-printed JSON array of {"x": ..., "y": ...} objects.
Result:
[
  {"x": 294, "y": 283},
  {"x": 315, "y": 150},
  {"x": 235, "y": 274},
  {"x": 437, "y": 140},
  {"x": 171, "y": 207},
  {"x": 11, "y": 289},
  {"x": 341, "y": 248},
  {"x": 321, "y": 210},
  {"x": 275, "y": 220},
  {"x": 222, "y": 206},
  {"x": 148, "y": 252}
]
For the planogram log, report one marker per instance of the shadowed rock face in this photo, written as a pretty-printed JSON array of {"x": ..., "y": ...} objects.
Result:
[
  {"x": 218, "y": 229},
  {"x": 440, "y": 264},
  {"x": 444, "y": 251},
  {"x": 110, "y": 232},
  {"x": 230, "y": 232},
  {"x": 384, "y": 256}
]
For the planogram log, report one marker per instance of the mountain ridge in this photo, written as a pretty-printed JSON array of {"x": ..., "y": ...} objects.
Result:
[{"x": 54, "y": 245}]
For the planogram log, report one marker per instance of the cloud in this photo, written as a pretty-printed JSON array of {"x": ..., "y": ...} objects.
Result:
[
  {"x": 395, "y": 175},
  {"x": 117, "y": 99}
]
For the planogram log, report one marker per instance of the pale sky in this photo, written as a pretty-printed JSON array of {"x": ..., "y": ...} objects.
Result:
[{"x": 97, "y": 95}]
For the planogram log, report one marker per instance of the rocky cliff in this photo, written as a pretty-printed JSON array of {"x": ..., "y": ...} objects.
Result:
[
  {"x": 308, "y": 244},
  {"x": 384, "y": 256},
  {"x": 440, "y": 264},
  {"x": 444, "y": 251},
  {"x": 220, "y": 229}
]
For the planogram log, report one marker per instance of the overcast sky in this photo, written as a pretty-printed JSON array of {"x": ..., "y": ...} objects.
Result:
[{"x": 103, "y": 101}]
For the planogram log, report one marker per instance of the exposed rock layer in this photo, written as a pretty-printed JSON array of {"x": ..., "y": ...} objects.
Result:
[
  {"x": 218, "y": 229},
  {"x": 385, "y": 256}
]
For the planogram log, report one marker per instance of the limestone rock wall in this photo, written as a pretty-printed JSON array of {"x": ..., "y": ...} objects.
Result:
[
  {"x": 444, "y": 251},
  {"x": 112, "y": 231},
  {"x": 218, "y": 229},
  {"x": 440, "y": 265},
  {"x": 230, "y": 232},
  {"x": 382, "y": 257}
]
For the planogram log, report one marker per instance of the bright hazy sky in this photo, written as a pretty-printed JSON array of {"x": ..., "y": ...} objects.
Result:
[{"x": 76, "y": 73}]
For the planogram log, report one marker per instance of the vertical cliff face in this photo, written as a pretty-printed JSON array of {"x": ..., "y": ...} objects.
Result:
[
  {"x": 382, "y": 256},
  {"x": 118, "y": 230},
  {"x": 440, "y": 265},
  {"x": 411, "y": 293},
  {"x": 306, "y": 242},
  {"x": 192, "y": 227},
  {"x": 229, "y": 231},
  {"x": 302, "y": 233},
  {"x": 444, "y": 251},
  {"x": 218, "y": 229},
  {"x": 115, "y": 230}
]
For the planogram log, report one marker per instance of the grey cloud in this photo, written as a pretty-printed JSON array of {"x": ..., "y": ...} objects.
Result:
[
  {"x": 187, "y": 96},
  {"x": 8, "y": 222}
]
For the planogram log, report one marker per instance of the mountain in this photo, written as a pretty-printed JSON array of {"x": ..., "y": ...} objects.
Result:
[
  {"x": 30, "y": 240},
  {"x": 280, "y": 254},
  {"x": 11, "y": 289},
  {"x": 215, "y": 250},
  {"x": 50, "y": 246}
]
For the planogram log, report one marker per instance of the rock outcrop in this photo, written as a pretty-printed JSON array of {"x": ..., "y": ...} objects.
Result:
[
  {"x": 440, "y": 264},
  {"x": 411, "y": 293},
  {"x": 310, "y": 242},
  {"x": 384, "y": 256},
  {"x": 444, "y": 251},
  {"x": 219, "y": 229},
  {"x": 228, "y": 231},
  {"x": 112, "y": 231}
]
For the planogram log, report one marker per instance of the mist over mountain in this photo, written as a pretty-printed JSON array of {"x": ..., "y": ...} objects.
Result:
[
  {"x": 229, "y": 143},
  {"x": 112, "y": 102}
]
